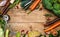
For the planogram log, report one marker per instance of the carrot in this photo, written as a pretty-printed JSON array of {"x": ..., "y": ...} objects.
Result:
[
  {"x": 33, "y": 6},
  {"x": 52, "y": 27}
]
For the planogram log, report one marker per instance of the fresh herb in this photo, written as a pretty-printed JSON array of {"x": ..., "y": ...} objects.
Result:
[{"x": 52, "y": 5}]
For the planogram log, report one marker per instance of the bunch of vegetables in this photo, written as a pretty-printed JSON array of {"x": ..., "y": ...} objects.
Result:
[{"x": 53, "y": 5}]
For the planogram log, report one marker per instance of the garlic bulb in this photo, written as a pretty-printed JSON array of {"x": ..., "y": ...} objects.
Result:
[{"x": 3, "y": 2}]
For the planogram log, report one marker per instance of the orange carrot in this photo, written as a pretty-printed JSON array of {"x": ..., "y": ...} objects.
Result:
[
  {"x": 33, "y": 6},
  {"x": 52, "y": 27}
]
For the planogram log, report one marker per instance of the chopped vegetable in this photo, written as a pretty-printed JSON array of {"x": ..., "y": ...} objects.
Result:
[
  {"x": 18, "y": 34},
  {"x": 52, "y": 27},
  {"x": 33, "y": 34},
  {"x": 34, "y": 5}
]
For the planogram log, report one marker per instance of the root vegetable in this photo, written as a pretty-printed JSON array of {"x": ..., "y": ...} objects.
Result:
[
  {"x": 33, "y": 6},
  {"x": 52, "y": 27}
]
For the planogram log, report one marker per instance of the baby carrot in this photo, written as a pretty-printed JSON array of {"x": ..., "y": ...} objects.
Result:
[
  {"x": 52, "y": 27},
  {"x": 33, "y": 6}
]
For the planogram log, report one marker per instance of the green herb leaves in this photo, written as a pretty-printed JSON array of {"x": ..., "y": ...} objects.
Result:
[{"x": 53, "y": 5}]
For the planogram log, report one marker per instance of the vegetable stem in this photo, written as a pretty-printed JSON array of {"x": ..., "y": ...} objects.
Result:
[
  {"x": 7, "y": 32},
  {"x": 52, "y": 27}
]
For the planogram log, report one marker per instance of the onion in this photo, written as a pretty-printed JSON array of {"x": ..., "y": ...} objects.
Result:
[{"x": 3, "y": 2}]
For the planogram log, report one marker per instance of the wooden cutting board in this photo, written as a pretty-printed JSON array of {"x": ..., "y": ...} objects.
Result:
[
  {"x": 21, "y": 16},
  {"x": 20, "y": 20}
]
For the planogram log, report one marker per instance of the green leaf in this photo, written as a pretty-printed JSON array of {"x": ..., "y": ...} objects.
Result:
[
  {"x": 56, "y": 6},
  {"x": 47, "y": 4}
]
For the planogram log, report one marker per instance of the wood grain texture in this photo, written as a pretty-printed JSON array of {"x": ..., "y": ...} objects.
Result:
[{"x": 22, "y": 16}]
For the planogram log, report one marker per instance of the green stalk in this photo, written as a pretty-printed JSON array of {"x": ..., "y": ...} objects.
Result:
[
  {"x": 7, "y": 33},
  {"x": 16, "y": 2}
]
